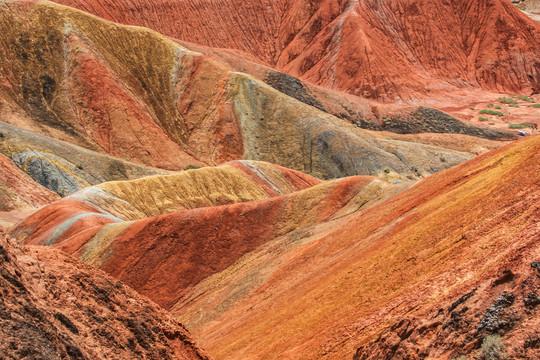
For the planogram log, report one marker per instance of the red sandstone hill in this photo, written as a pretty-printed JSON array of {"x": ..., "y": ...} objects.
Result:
[
  {"x": 342, "y": 267},
  {"x": 258, "y": 260},
  {"x": 388, "y": 50},
  {"x": 55, "y": 307},
  {"x": 214, "y": 215},
  {"x": 136, "y": 95}
]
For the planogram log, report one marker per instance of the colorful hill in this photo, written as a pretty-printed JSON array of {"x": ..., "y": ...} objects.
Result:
[
  {"x": 63, "y": 167},
  {"x": 216, "y": 215},
  {"x": 335, "y": 264},
  {"x": 323, "y": 291},
  {"x": 399, "y": 50},
  {"x": 133, "y": 94},
  {"x": 19, "y": 194},
  {"x": 18, "y": 191},
  {"x": 272, "y": 175},
  {"x": 56, "y": 307}
]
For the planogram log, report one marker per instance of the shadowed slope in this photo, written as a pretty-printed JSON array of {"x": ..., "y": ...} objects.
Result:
[
  {"x": 327, "y": 291},
  {"x": 132, "y": 93},
  {"x": 63, "y": 167},
  {"x": 55, "y": 307},
  {"x": 406, "y": 49},
  {"x": 165, "y": 255}
]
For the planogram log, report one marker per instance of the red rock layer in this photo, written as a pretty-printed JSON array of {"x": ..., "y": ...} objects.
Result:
[
  {"x": 55, "y": 307},
  {"x": 387, "y": 50},
  {"x": 164, "y": 256}
]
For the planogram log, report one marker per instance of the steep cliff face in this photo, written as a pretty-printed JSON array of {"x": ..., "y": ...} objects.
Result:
[
  {"x": 398, "y": 50},
  {"x": 409, "y": 49},
  {"x": 55, "y": 307}
]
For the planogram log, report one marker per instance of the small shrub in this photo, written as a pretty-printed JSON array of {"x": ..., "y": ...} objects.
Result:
[
  {"x": 492, "y": 348},
  {"x": 521, "y": 126},
  {"x": 387, "y": 170},
  {"x": 471, "y": 107},
  {"x": 192, "y": 167},
  {"x": 491, "y": 112},
  {"x": 498, "y": 107},
  {"x": 491, "y": 123},
  {"x": 524, "y": 98},
  {"x": 513, "y": 105},
  {"x": 536, "y": 106},
  {"x": 490, "y": 105},
  {"x": 507, "y": 100},
  {"x": 483, "y": 119}
]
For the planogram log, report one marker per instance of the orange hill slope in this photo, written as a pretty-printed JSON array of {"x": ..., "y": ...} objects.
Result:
[
  {"x": 136, "y": 95},
  {"x": 322, "y": 271},
  {"x": 323, "y": 291},
  {"x": 55, "y": 307},
  {"x": 194, "y": 224},
  {"x": 388, "y": 50}
]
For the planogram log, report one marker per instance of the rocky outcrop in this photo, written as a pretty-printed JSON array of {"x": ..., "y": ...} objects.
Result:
[
  {"x": 500, "y": 310},
  {"x": 55, "y": 307}
]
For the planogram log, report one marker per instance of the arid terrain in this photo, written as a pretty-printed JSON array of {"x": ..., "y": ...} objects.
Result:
[{"x": 289, "y": 179}]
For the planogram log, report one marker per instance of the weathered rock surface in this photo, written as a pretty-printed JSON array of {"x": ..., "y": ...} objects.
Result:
[
  {"x": 132, "y": 93},
  {"x": 505, "y": 305},
  {"x": 261, "y": 261},
  {"x": 55, "y": 307},
  {"x": 398, "y": 50},
  {"x": 336, "y": 263}
]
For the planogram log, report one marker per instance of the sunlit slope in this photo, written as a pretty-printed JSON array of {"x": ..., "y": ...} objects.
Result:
[{"x": 324, "y": 291}]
